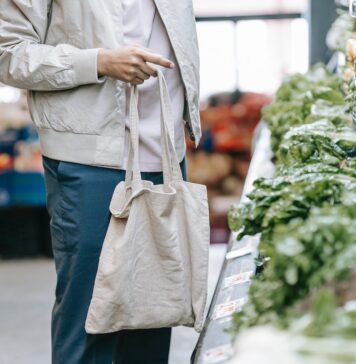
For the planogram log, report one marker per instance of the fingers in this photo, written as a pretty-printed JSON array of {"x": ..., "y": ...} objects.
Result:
[
  {"x": 131, "y": 62},
  {"x": 143, "y": 74},
  {"x": 156, "y": 59},
  {"x": 137, "y": 81},
  {"x": 140, "y": 74},
  {"x": 149, "y": 70},
  {"x": 140, "y": 66}
]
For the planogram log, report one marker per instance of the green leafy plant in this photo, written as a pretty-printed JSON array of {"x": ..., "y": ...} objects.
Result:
[
  {"x": 303, "y": 256},
  {"x": 296, "y": 99},
  {"x": 306, "y": 213},
  {"x": 319, "y": 142}
]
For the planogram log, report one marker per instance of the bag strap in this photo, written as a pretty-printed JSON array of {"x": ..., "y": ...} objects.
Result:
[
  {"x": 133, "y": 172},
  {"x": 170, "y": 163},
  {"x": 169, "y": 156}
]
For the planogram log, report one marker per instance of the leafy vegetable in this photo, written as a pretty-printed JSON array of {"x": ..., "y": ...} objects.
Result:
[
  {"x": 296, "y": 99},
  {"x": 303, "y": 256},
  {"x": 306, "y": 216},
  {"x": 278, "y": 200},
  {"x": 326, "y": 319},
  {"x": 337, "y": 114},
  {"x": 298, "y": 84},
  {"x": 319, "y": 142}
]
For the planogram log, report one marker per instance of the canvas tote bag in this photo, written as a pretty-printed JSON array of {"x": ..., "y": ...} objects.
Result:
[{"x": 154, "y": 262}]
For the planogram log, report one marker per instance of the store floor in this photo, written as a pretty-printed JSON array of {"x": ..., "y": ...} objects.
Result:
[{"x": 26, "y": 297}]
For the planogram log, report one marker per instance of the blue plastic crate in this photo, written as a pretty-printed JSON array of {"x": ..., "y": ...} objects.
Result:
[
  {"x": 28, "y": 133},
  {"x": 28, "y": 189}
]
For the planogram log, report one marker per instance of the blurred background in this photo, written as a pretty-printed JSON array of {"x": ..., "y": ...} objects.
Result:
[{"x": 247, "y": 48}]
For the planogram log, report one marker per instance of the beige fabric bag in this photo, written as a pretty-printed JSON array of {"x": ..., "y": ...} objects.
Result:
[{"x": 154, "y": 262}]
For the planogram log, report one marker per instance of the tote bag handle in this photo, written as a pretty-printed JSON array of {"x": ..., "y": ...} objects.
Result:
[{"x": 170, "y": 164}]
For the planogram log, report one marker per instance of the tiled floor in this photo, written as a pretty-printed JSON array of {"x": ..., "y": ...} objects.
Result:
[{"x": 26, "y": 297}]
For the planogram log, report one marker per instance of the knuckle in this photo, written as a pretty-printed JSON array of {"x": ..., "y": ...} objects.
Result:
[
  {"x": 132, "y": 71},
  {"x": 131, "y": 59},
  {"x": 136, "y": 50},
  {"x": 130, "y": 77},
  {"x": 134, "y": 60}
]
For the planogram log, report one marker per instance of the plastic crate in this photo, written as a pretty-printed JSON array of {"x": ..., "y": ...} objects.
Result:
[{"x": 28, "y": 189}]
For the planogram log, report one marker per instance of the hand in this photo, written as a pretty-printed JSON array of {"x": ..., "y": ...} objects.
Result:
[{"x": 129, "y": 64}]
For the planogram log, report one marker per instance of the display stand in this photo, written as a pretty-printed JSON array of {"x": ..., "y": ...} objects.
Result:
[{"x": 215, "y": 343}]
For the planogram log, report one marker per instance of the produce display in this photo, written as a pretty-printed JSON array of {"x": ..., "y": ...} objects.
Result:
[
  {"x": 223, "y": 157},
  {"x": 228, "y": 121},
  {"x": 319, "y": 142},
  {"x": 302, "y": 301},
  {"x": 303, "y": 99}
]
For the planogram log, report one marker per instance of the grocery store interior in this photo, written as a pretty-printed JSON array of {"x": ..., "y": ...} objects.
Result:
[{"x": 278, "y": 156}]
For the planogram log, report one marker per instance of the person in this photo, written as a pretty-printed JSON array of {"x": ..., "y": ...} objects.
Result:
[{"x": 78, "y": 59}]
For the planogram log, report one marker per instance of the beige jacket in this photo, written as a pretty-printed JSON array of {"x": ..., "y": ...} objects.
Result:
[{"x": 80, "y": 118}]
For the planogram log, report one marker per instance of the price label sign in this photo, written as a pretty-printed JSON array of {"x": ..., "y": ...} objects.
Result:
[
  {"x": 239, "y": 278},
  {"x": 217, "y": 355},
  {"x": 228, "y": 308}
]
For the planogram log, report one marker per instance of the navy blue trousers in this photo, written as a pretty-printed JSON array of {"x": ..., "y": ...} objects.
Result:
[{"x": 78, "y": 198}]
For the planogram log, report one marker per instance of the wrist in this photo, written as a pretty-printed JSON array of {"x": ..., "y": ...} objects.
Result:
[{"x": 103, "y": 62}]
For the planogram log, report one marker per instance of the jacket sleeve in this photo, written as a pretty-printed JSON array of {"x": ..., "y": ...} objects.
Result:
[{"x": 27, "y": 63}]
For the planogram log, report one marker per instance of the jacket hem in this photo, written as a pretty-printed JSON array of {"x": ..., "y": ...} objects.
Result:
[{"x": 95, "y": 150}]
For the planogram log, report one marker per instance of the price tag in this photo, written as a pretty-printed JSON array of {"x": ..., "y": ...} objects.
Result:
[
  {"x": 228, "y": 308},
  {"x": 218, "y": 354},
  {"x": 239, "y": 278}
]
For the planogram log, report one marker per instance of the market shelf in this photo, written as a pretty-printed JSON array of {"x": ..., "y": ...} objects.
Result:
[{"x": 215, "y": 344}]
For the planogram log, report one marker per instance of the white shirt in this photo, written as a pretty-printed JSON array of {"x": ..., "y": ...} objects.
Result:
[{"x": 143, "y": 25}]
